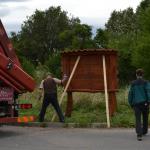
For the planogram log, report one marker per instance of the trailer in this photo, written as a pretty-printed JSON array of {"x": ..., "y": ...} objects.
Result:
[{"x": 13, "y": 81}]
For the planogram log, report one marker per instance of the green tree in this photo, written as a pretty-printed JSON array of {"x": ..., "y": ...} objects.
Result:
[
  {"x": 79, "y": 36},
  {"x": 46, "y": 33},
  {"x": 54, "y": 65},
  {"x": 39, "y": 35},
  {"x": 141, "y": 54},
  {"x": 121, "y": 22},
  {"x": 101, "y": 38},
  {"x": 122, "y": 32},
  {"x": 26, "y": 64}
]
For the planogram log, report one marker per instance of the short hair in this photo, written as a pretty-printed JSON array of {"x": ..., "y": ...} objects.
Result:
[
  {"x": 49, "y": 74},
  {"x": 139, "y": 72}
]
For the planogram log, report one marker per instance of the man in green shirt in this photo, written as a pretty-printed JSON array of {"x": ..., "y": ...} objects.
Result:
[{"x": 139, "y": 97}]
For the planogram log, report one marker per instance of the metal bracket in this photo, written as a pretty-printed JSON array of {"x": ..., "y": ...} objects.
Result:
[{"x": 9, "y": 65}]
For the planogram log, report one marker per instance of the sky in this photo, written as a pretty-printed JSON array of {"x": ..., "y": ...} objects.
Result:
[{"x": 92, "y": 12}]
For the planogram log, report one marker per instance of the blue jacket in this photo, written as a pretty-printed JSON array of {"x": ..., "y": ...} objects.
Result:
[{"x": 139, "y": 92}]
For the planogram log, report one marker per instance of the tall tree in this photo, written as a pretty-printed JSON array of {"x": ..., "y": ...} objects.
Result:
[
  {"x": 45, "y": 33},
  {"x": 50, "y": 31},
  {"x": 121, "y": 30},
  {"x": 101, "y": 38},
  {"x": 39, "y": 35},
  {"x": 79, "y": 36},
  {"x": 142, "y": 48}
]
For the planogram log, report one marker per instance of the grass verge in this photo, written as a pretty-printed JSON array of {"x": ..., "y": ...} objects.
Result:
[{"x": 87, "y": 109}]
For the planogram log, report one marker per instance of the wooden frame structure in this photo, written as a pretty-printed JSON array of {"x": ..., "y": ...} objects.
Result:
[{"x": 90, "y": 74}]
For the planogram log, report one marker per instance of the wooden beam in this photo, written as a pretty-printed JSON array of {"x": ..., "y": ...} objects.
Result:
[
  {"x": 67, "y": 85},
  {"x": 106, "y": 91}
]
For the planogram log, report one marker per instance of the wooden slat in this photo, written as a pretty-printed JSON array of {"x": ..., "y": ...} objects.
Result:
[
  {"x": 67, "y": 85},
  {"x": 106, "y": 92}
]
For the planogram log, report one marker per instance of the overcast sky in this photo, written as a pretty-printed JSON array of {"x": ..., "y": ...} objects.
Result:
[{"x": 91, "y": 12}]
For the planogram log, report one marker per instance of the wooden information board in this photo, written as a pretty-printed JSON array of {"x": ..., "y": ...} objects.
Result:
[{"x": 89, "y": 74}]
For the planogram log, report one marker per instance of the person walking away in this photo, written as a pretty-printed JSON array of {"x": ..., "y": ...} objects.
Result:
[
  {"x": 139, "y": 98},
  {"x": 49, "y": 87}
]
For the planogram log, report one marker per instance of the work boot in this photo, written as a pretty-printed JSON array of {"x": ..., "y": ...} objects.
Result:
[
  {"x": 139, "y": 137},
  {"x": 62, "y": 120}
]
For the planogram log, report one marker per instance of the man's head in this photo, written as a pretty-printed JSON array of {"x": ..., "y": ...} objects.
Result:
[
  {"x": 139, "y": 72},
  {"x": 49, "y": 75}
]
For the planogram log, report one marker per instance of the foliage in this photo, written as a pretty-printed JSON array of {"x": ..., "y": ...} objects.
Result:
[
  {"x": 77, "y": 37},
  {"x": 142, "y": 55},
  {"x": 53, "y": 64},
  {"x": 121, "y": 22},
  {"x": 142, "y": 52},
  {"x": 101, "y": 38},
  {"x": 39, "y": 35},
  {"x": 46, "y": 33},
  {"x": 121, "y": 31},
  {"x": 40, "y": 72},
  {"x": 27, "y": 66},
  {"x": 129, "y": 33}
]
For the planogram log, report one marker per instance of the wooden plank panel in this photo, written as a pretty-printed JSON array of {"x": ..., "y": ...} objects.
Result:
[{"x": 89, "y": 74}]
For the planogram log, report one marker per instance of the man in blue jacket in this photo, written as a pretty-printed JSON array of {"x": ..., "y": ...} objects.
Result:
[{"x": 139, "y": 97}]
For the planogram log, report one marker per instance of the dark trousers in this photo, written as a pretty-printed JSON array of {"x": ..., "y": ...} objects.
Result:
[
  {"x": 50, "y": 98},
  {"x": 141, "y": 118}
]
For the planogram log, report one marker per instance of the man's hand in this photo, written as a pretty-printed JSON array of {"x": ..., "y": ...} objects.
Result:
[{"x": 65, "y": 77}]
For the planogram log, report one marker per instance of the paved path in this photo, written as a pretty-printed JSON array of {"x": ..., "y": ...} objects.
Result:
[{"x": 33, "y": 138}]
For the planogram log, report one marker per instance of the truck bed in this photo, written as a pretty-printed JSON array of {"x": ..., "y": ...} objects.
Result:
[{"x": 11, "y": 71}]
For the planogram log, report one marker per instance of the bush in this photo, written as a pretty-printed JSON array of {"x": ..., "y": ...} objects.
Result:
[
  {"x": 27, "y": 66},
  {"x": 40, "y": 72},
  {"x": 53, "y": 64}
]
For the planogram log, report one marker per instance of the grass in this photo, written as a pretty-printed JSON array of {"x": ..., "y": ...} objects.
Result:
[{"x": 87, "y": 108}]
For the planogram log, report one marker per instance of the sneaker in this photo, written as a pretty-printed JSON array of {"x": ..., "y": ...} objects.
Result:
[{"x": 139, "y": 137}]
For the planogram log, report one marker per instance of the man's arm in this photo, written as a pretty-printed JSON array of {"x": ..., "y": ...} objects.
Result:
[
  {"x": 61, "y": 82},
  {"x": 58, "y": 81},
  {"x": 41, "y": 90}
]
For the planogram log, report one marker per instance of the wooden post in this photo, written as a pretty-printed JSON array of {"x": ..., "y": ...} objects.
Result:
[
  {"x": 67, "y": 85},
  {"x": 69, "y": 104},
  {"x": 106, "y": 92},
  {"x": 112, "y": 103}
]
